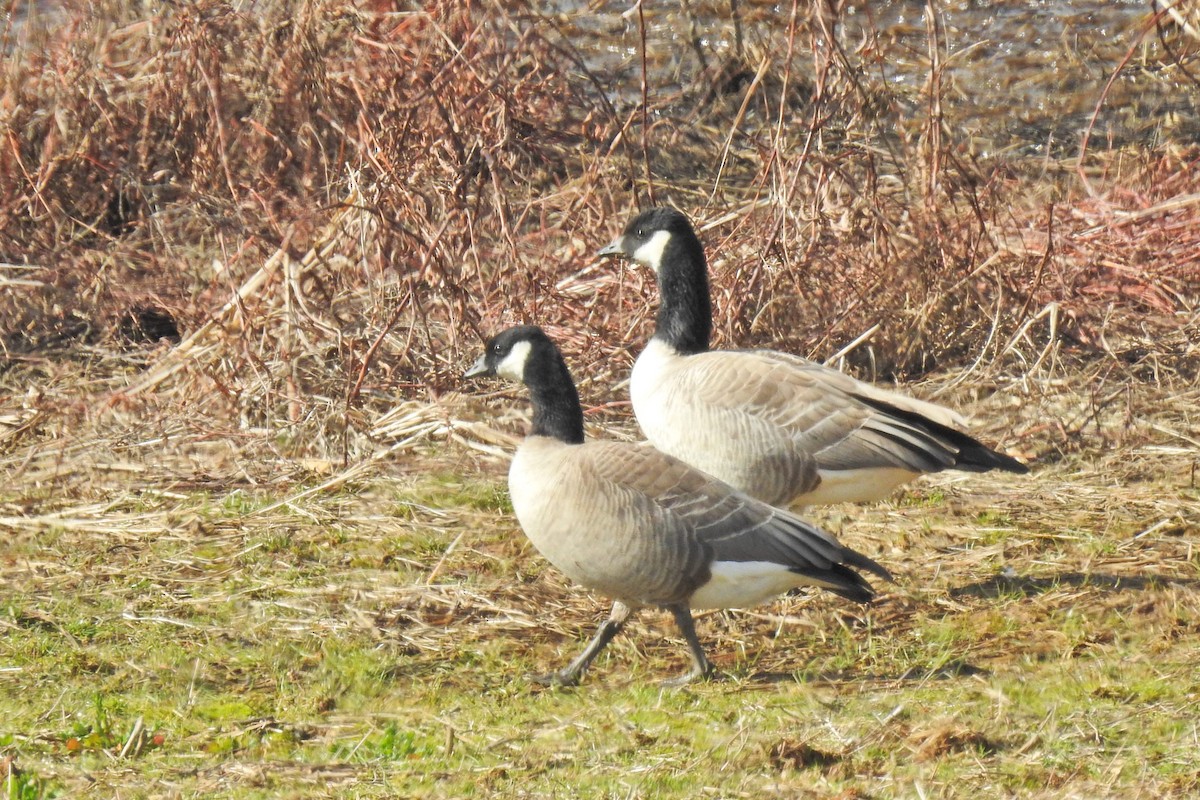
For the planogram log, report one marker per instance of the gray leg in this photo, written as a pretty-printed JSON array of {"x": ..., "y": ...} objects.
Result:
[
  {"x": 569, "y": 675},
  {"x": 700, "y": 666}
]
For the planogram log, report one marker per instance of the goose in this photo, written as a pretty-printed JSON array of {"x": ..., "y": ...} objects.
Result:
[
  {"x": 780, "y": 428},
  {"x": 644, "y": 528}
]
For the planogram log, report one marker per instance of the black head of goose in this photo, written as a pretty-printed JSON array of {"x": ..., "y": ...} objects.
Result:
[
  {"x": 643, "y": 528},
  {"x": 778, "y": 427}
]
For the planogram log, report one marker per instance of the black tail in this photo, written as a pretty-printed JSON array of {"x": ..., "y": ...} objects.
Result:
[
  {"x": 851, "y": 585},
  {"x": 973, "y": 455},
  {"x": 844, "y": 581}
]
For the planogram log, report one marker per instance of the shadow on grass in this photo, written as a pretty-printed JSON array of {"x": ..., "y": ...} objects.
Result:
[
  {"x": 918, "y": 674},
  {"x": 1017, "y": 586}
]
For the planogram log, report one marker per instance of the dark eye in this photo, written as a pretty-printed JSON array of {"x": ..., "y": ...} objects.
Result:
[{"x": 641, "y": 233}]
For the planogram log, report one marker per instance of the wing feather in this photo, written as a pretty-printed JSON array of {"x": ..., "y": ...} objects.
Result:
[
  {"x": 728, "y": 525},
  {"x": 775, "y": 397}
]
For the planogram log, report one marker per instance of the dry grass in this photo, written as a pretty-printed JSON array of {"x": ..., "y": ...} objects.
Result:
[
  {"x": 380, "y": 187},
  {"x": 246, "y": 255}
]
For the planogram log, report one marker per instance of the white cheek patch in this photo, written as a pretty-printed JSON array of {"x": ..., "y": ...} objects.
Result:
[
  {"x": 513, "y": 365},
  {"x": 651, "y": 252}
]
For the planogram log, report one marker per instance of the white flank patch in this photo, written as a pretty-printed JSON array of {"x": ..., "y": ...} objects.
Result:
[
  {"x": 740, "y": 584},
  {"x": 651, "y": 252},
  {"x": 513, "y": 365},
  {"x": 857, "y": 485}
]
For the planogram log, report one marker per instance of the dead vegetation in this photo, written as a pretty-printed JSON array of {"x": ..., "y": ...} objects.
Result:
[
  {"x": 246, "y": 254},
  {"x": 329, "y": 203}
]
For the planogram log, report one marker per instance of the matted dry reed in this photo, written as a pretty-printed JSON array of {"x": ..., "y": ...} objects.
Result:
[
  {"x": 246, "y": 255},
  {"x": 289, "y": 220}
]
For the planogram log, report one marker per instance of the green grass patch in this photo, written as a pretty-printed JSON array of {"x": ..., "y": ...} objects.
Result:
[{"x": 393, "y": 654}]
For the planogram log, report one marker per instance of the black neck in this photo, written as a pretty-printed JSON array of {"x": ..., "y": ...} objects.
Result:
[
  {"x": 685, "y": 311},
  {"x": 556, "y": 409}
]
